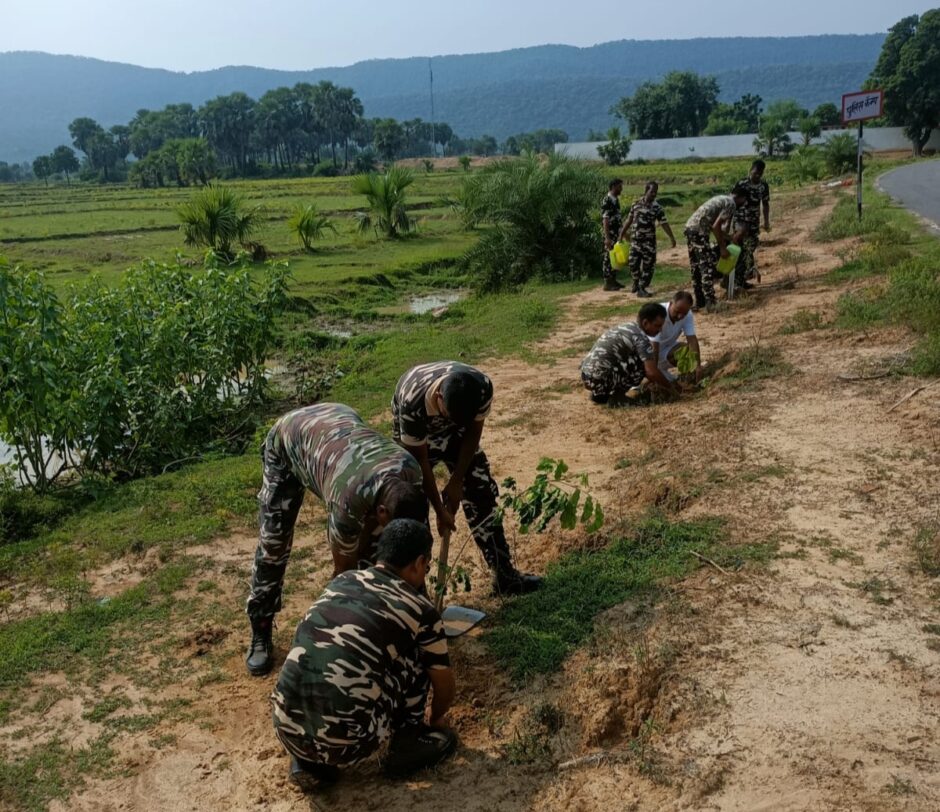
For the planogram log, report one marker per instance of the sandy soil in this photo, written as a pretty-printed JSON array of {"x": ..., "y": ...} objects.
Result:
[{"x": 807, "y": 684}]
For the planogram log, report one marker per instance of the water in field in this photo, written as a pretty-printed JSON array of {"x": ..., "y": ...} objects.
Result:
[{"x": 433, "y": 302}]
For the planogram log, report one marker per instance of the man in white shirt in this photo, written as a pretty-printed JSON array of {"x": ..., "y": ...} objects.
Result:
[{"x": 679, "y": 322}]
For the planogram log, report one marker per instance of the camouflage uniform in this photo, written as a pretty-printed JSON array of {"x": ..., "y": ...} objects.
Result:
[
  {"x": 749, "y": 216},
  {"x": 616, "y": 361},
  {"x": 358, "y": 668},
  {"x": 643, "y": 241},
  {"x": 416, "y": 422},
  {"x": 703, "y": 256},
  {"x": 328, "y": 449},
  {"x": 610, "y": 209}
]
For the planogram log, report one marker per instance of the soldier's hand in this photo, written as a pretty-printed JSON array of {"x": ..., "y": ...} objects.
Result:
[
  {"x": 724, "y": 253},
  {"x": 445, "y": 522}
]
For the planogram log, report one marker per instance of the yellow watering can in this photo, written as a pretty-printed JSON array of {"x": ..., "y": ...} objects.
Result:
[
  {"x": 619, "y": 255},
  {"x": 726, "y": 265}
]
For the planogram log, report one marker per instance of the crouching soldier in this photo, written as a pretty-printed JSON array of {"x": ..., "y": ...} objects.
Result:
[
  {"x": 361, "y": 667},
  {"x": 365, "y": 481},
  {"x": 438, "y": 412},
  {"x": 714, "y": 216},
  {"x": 623, "y": 356}
]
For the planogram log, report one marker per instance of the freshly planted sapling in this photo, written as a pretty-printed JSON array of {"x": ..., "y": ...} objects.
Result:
[{"x": 555, "y": 492}]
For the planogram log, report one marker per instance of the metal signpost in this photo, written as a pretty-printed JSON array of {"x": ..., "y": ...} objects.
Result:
[{"x": 859, "y": 107}]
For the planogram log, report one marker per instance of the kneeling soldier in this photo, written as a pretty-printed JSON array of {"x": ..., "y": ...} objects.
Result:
[
  {"x": 438, "y": 412},
  {"x": 623, "y": 356},
  {"x": 361, "y": 666},
  {"x": 365, "y": 480}
]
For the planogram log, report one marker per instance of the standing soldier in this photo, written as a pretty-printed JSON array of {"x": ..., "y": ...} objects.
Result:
[
  {"x": 623, "y": 356},
  {"x": 714, "y": 216},
  {"x": 643, "y": 217},
  {"x": 365, "y": 480},
  {"x": 757, "y": 192},
  {"x": 611, "y": 223},
  {"x": 438, "y": 412}
]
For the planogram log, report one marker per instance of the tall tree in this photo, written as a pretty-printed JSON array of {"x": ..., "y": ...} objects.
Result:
[
  {"x": 42, "y": 168},
  {"x": 677, "y": 106},
  {"x": 908, "y": 69},
  {"x": 828, "y": 114},
  {"x": 227, "y": 123},
  {"x": 83, "y": 130},
  {"x": 388, "y": 138},
  {"x": 65, "y": 161}
]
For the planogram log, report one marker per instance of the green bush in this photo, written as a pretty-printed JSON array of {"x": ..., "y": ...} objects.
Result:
[
  {"x": 308, "y": 225},
  {"x": 840, "y": 153},
  {"x": 124, "y": 380},
  {"x": 385, "y": 195},
  {"x": 542, "y": 215},
  {"x": 218, "y": 219},
  {"x": 843, "y": 221}
]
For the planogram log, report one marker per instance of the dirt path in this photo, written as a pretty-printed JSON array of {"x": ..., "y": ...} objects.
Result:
[{"x": 813, "y": 683}]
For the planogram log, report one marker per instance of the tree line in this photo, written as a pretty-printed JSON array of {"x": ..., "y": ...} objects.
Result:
[
  {"x": 301, "y": 129},
  {"x": 685, "y": 104}
]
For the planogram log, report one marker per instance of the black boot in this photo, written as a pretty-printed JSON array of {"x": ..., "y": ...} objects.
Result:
[
  {"x": 415, "y": 747},
  {"x": 512, "y": 582},
  {"x": 309, "y": 775},
  {"x": 259, "y": 660}
]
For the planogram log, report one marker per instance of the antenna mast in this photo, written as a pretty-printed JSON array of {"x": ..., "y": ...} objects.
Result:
[{"x": 433, "y": 132}]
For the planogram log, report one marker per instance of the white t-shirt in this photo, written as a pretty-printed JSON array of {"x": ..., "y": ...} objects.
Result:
[{"x": 671, "y": 331}]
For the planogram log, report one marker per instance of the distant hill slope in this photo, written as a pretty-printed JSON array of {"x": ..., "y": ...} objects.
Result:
[{"x": 499, "y": 93}]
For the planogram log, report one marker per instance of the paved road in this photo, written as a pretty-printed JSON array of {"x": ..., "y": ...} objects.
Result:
[{"x": 916, "y": 187}]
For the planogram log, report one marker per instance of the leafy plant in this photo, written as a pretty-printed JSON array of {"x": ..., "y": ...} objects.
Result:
[
  {"x": 385, "y": 195},
  {"x": 308, "y": 225},
  {"x": 615, "y": 151},
  {"x": 217, "y": 218},
  {"x": 541, "y": 210},
  {"x": 840, "y": 153},
  {"x": 555, "y": 492},
  {"x": 464, "y": 161},
  {"x": 428, "y": 165}
]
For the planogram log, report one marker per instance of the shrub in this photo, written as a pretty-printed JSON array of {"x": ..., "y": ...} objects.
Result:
[
  {"x": 385, "y": 195},
  {"x": 217, "y": 218},
  {"x": 124, "y": 380},
  {"x": 615, "y": 151},
  {"x": 541, "y": 210},
  {"x": 840, "y": 153},
  {"x": 326, "y": 169},
  {"x": 308, "y": 225}
]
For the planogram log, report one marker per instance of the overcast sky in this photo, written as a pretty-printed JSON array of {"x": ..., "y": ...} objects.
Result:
[{"x": 295, "y": 34}]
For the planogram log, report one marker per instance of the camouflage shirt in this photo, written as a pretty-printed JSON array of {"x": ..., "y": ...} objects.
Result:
[
  {"x": 415, "y": 417},
  {"x": 344, "y": 462},
  {"x": 756, "y": 193},
  {"x": 347, "y": 672},
  {"x": 616, "y": 346},
  {"x": 706, "y": 214},
  {"x": 610, "y": 209},
  {"x": 645, "y": 217}
]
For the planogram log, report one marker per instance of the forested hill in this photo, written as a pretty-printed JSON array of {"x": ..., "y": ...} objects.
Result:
[{"x": 498, "y": 93}]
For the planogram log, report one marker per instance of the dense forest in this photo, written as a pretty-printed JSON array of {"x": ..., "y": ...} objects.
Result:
[{"x": 566, "y": 88}]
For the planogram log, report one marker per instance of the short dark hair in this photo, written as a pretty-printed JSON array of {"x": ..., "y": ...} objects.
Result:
[
  {"x": 404, "y": 500},
  {"x": 651, "y": 311},
  {"x": 759, "y": 164},
  {"x": 683, "y": 296},
  {"x": 652, "y": 184},
  {"x": 463, "y": 397},
  {"x": 614, "y": 182},
  {"x": 402, "y": 542}
]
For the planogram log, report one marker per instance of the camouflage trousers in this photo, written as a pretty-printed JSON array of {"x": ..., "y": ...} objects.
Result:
[
  {"x": 745, "y": 262},
  {"x": 480, "y": 499},
  {"x": 279, "y": 501},
  {"x": 604, "y": 380},
  {"x": 642, "y": 261},
  {"x": 345, "y": 734},
  {"x": 703, "y": 257}
]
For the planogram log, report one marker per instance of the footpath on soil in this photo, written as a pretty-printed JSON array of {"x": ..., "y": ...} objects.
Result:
[{"x": 808, "y": 678}]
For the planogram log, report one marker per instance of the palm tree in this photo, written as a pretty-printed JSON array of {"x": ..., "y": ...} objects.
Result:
[
  {"x": 308, "y": 225},
  {"x": 216, "y": 217},
  {"x": 386, "y": 197}
]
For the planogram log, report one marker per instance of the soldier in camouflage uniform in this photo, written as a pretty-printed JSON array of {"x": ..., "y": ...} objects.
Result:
[
  {"x": 361, "y": 665},
  {"x": 611, "y": 226},
  {"x": 365, "y": 481},
  {"x": 621, "y": 358},
  {"x": 714, "y": 216},
  {"x": 641, "y": 223},
  {"x": 747, "y": 218},
  {"x": 438, "y": 412}
]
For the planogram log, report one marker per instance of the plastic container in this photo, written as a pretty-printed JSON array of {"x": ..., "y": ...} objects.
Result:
[
  {"x": 619, "y": 255},
  {"x": 726, "y": 266}
]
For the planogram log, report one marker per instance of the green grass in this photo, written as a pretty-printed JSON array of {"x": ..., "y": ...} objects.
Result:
[
  {"x": 533, "y": 634},
  {"x": 758, "y": 362},
  {"x": 927, "y": 550},
  {"x": 803, "y": 321}
]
